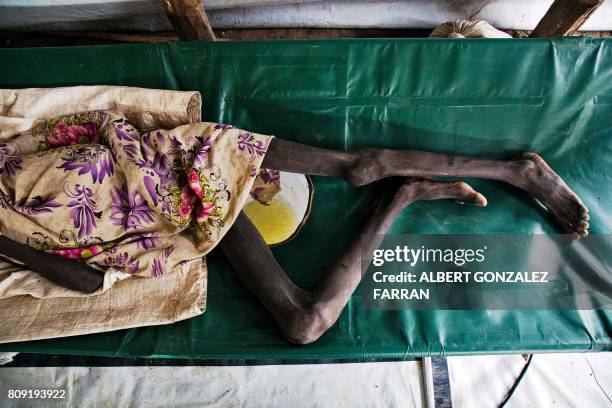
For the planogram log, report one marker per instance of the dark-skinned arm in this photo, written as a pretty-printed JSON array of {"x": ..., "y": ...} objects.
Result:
[{"x": 69, "y": 273}]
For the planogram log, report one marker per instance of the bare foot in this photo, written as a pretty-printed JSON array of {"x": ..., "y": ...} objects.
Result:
[
  {"x": 564, "y": 205},
  {"x": 417, "y": 188}
]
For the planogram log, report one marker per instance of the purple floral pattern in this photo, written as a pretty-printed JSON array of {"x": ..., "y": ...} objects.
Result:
[
  {"x": 85, "y": 209},
  {"x": 36, "y": 205},
  {"x": 10, "y": 158},
  {"x": 202, "y": 151},
  {"x": 254, "y": 147},
  {"x": 121, "y": 260},
  {"x": 129, "y": 209},
  {"x": 171, "y": 179},
  {"x": 266, "y": 186},
  {"x": 147, "y": 240},
  {"x": 223, "y": 126},
  {"x": 158, "y": 268},
  {"x": 96, "y": 160},
  {"x": 124, "y": 131}
]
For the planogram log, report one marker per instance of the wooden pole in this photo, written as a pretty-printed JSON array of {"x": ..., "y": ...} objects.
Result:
[
  {"x": 189, "y": 19},
  {"x": 564, "y": 17}
]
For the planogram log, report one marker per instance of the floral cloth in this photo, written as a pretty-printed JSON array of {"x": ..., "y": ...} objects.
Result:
[
  {"x": 266, "y": 185},
  {"x": 90, "y": 186}
]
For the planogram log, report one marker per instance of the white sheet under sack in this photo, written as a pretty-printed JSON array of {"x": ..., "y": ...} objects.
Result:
[{"x": 553, "y": 380}]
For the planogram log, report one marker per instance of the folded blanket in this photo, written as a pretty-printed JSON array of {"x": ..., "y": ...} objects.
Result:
[{"x": 146, "y": 109}]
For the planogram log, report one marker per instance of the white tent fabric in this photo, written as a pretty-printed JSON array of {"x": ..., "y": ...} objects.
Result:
[
  {"x": 324, "y": 385},
  {"x": 553, "y": 380},
  {"x": 148, "y": 15}
]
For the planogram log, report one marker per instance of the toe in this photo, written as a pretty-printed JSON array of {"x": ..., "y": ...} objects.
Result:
[
  {"x": 580, "y": 208},
  {"x": 564, "y": 219},
  {"x": 480, "y": 200},
  {"x": 582, "y": 217},
  {"x": 579, "y": 229},
  {"x": 464, "y": 193},
  {"x": 583, "y": 213}
]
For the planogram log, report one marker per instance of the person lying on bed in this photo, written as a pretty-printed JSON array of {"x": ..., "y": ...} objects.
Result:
[{"x": 89, "y": 187}]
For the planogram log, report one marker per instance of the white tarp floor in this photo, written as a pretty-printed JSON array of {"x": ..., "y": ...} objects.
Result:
[{"x": 553, "y": 380}]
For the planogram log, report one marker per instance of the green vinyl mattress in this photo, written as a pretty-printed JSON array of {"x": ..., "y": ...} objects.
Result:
[{"x": 488, "y": 98}]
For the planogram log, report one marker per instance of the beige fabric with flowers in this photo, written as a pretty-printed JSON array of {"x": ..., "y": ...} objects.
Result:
[{"x": 91, "y": 185}]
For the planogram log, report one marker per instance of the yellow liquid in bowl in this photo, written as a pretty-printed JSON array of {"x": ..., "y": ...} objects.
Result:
[{"x": 275, "y": 222}]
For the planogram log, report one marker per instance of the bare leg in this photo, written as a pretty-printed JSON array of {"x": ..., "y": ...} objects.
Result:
[
  {"x": 304, "y": 316},
  {"x": 528, "y": 172}
]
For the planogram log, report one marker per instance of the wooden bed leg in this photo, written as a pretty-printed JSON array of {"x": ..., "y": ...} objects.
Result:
[
  {"x": 189, "y": 20},
  {"x": 565, "y": 17}
]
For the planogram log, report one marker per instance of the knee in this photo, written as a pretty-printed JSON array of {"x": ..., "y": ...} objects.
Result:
[
  {"x": 307, "y": 325},
  {"x": 366, "y": 167}
]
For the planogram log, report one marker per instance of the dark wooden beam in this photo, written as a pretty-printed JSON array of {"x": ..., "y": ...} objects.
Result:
[
  {"x": 113, "y": 37},
  {"x": 565, "y": 17},
  {"x": 12, "y": 39},
  {"x": 189, "y": 19},
  {"x": 318, "y": 33}
]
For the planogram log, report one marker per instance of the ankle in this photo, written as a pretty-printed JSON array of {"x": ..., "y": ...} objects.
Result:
[{"x": 520, "y": 172}]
